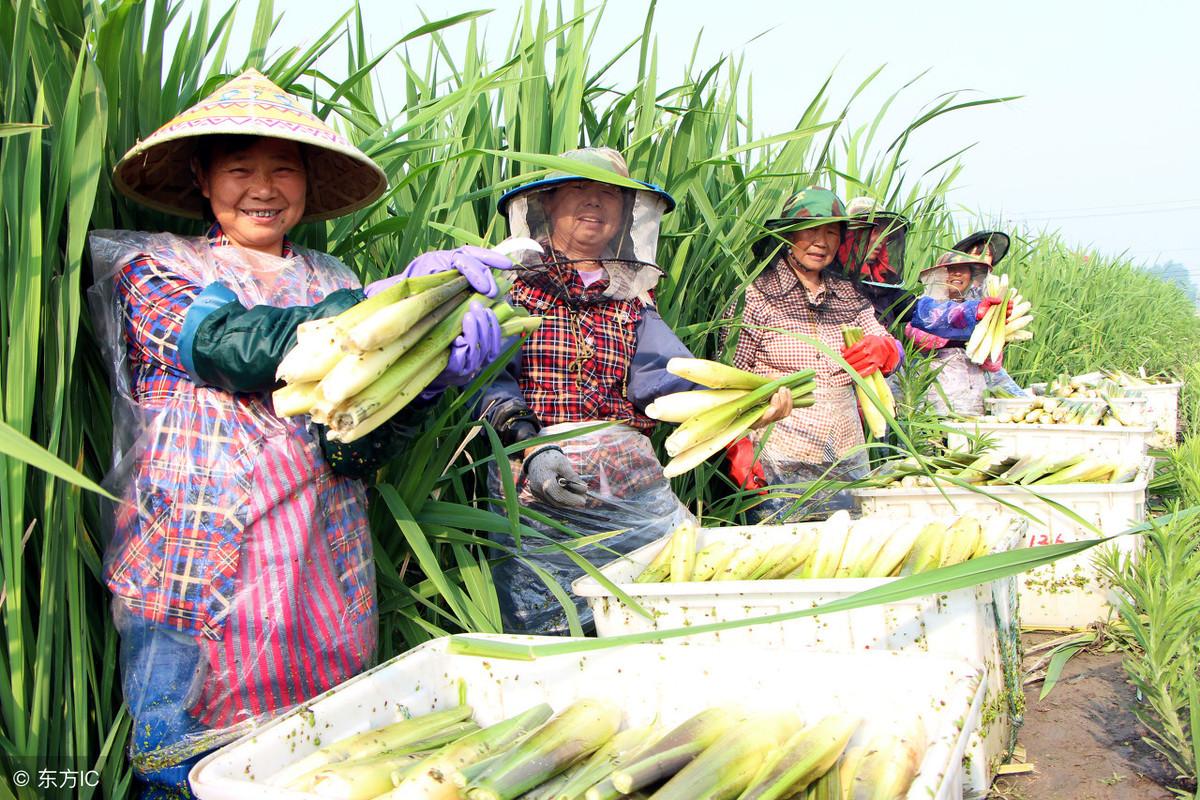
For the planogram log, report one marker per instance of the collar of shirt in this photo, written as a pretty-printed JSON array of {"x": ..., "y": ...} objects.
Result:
[
  {"x": 217, "y": 238},
  {"x": 787, "y": 282}
]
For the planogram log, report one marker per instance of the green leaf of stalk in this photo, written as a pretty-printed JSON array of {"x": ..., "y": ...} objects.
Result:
[
  {"x": 1055, "y": 667},
  {"x": 391, "y": 321},
  {"x": 979, "y": 570}
]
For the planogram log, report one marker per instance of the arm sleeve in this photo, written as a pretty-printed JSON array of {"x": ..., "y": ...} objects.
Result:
[
  {"x": 363, "y": 458},
  {"x": 227, "y": 345},
  {"x": 948, "y": 319},
  {"x": 502, "y": 404},
  {"x": 154, "y": 302},
  {"x": 656, "y": 345}
]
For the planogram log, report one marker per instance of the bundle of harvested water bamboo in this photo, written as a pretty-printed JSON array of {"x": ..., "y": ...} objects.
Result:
[
  {"x": 711, "y": 419},
  {"x": 990, "y": 469},
  {"x": 355, "y": 371},
  {"x": 837, "y": 548},
  {"x": 876, "y": 390},
  {"x": 997, "y": 327},
  {"x": 582, "y": 754}
]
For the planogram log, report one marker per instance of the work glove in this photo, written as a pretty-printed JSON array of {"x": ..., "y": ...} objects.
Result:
[
  {"x": 872, "y": 353},
  {"x": 987, "y": 302},
  {"x": 473, "y": 263},
  {"x": 553, "y": 480},
  {"x": 924, "y": 340},
  {"x": 744, "y": 469},
  {"x": 990, "y": 365},
  {"x": 478, "y": 345}
]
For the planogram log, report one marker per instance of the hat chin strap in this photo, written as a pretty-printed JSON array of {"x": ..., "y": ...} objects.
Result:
[{"x": 796, "y": 265}]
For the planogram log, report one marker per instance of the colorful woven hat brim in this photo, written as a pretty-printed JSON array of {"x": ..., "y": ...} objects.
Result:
[
  {"x": 999, "y": 243},
  {"x": 545, "y": 183},
  {"x": 157, "y": 171}
]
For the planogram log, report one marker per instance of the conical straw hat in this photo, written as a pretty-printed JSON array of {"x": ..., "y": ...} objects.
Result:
[{"x": 157, "y": 171}]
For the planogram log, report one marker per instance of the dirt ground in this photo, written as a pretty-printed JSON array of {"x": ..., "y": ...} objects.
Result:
[{"x": 1084, "y": 741}]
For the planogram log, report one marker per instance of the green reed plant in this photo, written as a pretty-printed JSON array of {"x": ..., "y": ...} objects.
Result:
[{"x": 85, "y": 81}]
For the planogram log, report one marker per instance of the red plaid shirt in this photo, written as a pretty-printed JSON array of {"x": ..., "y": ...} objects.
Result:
[{"x": 575, "y": 366}]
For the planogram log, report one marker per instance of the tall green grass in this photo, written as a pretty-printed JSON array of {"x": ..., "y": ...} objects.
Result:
[
  {"x": 84, "y": 81},
  {"x": 1094, "y": 311}
]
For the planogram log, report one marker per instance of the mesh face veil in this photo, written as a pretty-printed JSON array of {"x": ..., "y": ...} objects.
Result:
[
  {"x": 937, "y": 286},
  {"x": 633, "y": 243}
]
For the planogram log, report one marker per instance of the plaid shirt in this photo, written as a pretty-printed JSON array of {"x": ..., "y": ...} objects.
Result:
[
  {"x": 777, "y": 303},
  {"x": 198, "y": 496},
  {"x": 575, "y": 366}
]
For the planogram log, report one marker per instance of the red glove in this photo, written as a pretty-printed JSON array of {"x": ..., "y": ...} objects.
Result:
[
  {"x": 924, "y": 340},
  {"x": 872, "y": 353},
  {"x": 987, "y": 303},
  {"x": 993, "y": 366},
  {"x": 745, "y": 470}
]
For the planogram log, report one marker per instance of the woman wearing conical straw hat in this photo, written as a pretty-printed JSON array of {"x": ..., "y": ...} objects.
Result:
[{"x": 240, "y": 561}]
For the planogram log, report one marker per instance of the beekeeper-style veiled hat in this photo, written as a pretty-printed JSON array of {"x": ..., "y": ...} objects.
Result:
[
  {"x": 992, "y": 244},
  {"x": 157, "y": 171}
]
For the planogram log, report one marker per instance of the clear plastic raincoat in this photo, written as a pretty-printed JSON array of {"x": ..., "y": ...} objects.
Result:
[
  {"x": 240, "y": 563},
  {"x": 600, "y": 354}
]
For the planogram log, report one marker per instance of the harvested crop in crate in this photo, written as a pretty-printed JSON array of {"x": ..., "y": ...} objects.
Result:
[
  {"x": 582, "y": 754},
  {"x": 837, "y": 548},
  {"x": 991, "y": 470},
  {"x": 1059, "y": 411},
  {"x": 711, "y": 419}
]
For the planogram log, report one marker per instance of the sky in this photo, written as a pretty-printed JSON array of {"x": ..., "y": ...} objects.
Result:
[{"x": 1100, "y": 146}]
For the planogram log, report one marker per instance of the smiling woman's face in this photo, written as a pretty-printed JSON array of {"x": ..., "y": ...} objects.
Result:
[
  {"x": 257, "y": 193},
  {"x": 584, "y": 217},
  {"x": 958, "y": 278}
]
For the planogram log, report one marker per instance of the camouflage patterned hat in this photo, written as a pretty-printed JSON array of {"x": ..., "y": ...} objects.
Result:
[
  {"x": 815, "y": 203},
  {"x": 953, "y": 258},
  {"x": 993, "y": 243},
  {"x": 603, "y": 158}
]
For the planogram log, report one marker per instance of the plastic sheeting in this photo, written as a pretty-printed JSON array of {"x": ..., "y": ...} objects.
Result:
[
  {"x": 240, "y": 564},
  {"x": 626, "y": 492},
  {"x": 961, "y": 381}
]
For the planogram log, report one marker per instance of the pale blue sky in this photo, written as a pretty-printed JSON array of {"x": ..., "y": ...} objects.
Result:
[{"x": 1101, "y": 146}]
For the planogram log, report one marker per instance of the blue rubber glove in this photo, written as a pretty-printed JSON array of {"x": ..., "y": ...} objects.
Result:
[
  {"x": 477, "y": 346},
  {"x": 473, "y": 263}
]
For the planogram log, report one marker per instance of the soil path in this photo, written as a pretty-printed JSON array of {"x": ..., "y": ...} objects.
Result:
[{"x": 1084, "y": 741}]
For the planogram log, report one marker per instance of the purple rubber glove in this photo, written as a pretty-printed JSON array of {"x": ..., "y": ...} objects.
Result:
[
  {"x": 477, "y": 346},
  {"x": 473, "y": 263}
]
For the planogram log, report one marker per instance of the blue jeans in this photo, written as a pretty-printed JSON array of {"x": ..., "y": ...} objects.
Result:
[{"x": 160, "y": 671}]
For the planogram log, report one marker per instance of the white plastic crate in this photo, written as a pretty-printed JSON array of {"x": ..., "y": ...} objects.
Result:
[
  {"x": 670, "y": 681},
  {"x": 978, "y": 624},
  {"x": 1069, "y": 592},
  {"x": 1162, "y": 406},
  {"x": 1135, "y": 405},
  {"x": 1018, "y": 440}
]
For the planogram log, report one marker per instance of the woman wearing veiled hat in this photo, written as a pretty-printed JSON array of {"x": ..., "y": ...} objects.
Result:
[{"x": 945, "y": 317}]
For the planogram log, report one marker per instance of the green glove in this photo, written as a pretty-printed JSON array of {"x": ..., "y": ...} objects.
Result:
[{"x": 227, "y": 345}]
